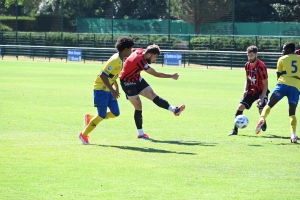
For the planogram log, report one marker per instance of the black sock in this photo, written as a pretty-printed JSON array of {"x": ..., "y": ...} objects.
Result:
[
  {"x": 238, "y": 112},
  {"x": 161, "y": 102},
  {"x": 138, "y": 119}
]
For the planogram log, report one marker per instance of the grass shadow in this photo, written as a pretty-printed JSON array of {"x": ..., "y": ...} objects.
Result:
[
  {"x": 267, "y": 136},
  {"x": 180, "y": 142},
  {"x": 287, "y": 144},
  {"x": 145, "y": 150},
  {"x": 254, "y": 145}
]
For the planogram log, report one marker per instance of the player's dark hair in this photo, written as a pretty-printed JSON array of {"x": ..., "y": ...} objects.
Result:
[
  {"x": 154, "y": 49},
  {"x": 252, "y": 49},
  {"x": 124, "y": 42},
  {"x": 291, "y": 46}
]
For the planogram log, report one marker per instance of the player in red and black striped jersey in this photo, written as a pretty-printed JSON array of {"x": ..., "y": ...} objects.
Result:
[
  {"x": 134, "y": 85},
  {"x": 256, "y": 86}
]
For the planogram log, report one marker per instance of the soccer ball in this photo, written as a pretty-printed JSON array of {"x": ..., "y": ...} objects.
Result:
[{"x": 241, "y": 121}]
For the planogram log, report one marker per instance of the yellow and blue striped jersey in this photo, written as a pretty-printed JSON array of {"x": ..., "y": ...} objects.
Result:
[
  {"x": 289, "y": 68},
  {"x": 111, "y": 69}
]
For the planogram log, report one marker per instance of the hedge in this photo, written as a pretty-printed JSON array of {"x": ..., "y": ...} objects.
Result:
[{"x": 217, "y": 43}]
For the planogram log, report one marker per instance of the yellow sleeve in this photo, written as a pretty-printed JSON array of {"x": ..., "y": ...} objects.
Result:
[{"x": 279, "y": 65}]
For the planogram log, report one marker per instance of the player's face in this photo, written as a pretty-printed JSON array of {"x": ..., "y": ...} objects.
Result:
[
  {"x": 252, "y": 57},
  {"x": 152, "y": 58},
  {"x": 285, "y": 51}
]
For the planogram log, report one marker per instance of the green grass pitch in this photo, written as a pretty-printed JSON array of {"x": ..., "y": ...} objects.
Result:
[{"x": 41, "y": 113}]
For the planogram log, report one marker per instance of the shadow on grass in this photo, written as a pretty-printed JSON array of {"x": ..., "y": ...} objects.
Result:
[
  {"x": 180, "y": 142},
  {"x": 288, "y": 143},
  {"x": 254, "y": 145},
  {"x": 147, "y": 150},
  {"x": 267, "y": 136}
]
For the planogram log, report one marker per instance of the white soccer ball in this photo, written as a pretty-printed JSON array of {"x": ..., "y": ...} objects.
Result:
[{"x": 241, "y": 121}]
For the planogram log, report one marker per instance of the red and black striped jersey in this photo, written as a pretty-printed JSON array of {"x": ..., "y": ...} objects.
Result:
[
  {"x": 133, "y": 66},
  {"x": 255, "y": 75}
]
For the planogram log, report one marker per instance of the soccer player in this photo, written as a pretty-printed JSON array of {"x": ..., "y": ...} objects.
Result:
[
  {"x": 105, "y": 95},
  {"x": 134, "y": 85},
  {"x": 256, "y": 86},
  {"x": 288, "y": 84}
]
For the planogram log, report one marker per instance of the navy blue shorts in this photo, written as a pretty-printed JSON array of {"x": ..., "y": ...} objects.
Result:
[{"x": 282, "y": 90}]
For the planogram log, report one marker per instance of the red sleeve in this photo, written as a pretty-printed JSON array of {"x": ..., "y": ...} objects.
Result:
[
  {"x": 143, "y": 65},
  {"x": 263, "y": 72},
  {"x": 297, "y": 52}
]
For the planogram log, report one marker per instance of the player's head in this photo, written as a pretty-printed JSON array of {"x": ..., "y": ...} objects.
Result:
[
  {"x": 252, "y": 53},
  {"x": 124, "y": 44},
  {"x": 151, "y": 53},
  {"x": 288, "y": 48}
]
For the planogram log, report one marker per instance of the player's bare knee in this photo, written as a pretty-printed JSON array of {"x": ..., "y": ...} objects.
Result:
[{"x": 241, "y": 107}]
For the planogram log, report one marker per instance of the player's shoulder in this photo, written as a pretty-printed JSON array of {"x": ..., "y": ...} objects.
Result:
[
  {"x": 261, "y": 63},
  {"x": 283, "y": 57},
  {"x": 114, "y": 60}
]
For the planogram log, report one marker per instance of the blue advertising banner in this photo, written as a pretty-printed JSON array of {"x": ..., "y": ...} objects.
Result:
[
  {"x": 172, "y": 58},
  {"x": 74, "y": 55}
]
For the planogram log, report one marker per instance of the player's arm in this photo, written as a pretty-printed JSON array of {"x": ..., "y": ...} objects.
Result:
[
  {"x": 161, "y": 75},
  {"x": 247, "y": 83},
  {"x": 264, "y": 92},
  {"x": 116, "y": 86},
  {"x": 105, "y": 80},
  {"x": 279, "y": 68}
]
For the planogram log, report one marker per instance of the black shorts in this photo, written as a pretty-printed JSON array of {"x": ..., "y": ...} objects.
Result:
[
  {"x": 250, "y": 99},
  {"x": 133, "y": 88}
]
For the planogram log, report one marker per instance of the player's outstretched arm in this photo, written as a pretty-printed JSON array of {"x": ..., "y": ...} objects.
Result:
[{"x": 162, "y": 75}]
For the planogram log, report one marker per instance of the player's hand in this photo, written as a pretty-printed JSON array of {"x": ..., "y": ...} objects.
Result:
[
  {"x": 175, "y": 76},
  {"x": 115, "y": 94},
  {"x": 259, "y": 102},
  {"x": 245, "y": 94}
]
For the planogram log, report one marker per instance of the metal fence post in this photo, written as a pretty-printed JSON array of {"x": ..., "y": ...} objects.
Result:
[
  {"x": 256, "y": 41},
  {"x": 190, "y": 42},
  {"x": 280, "y": 43},
  {"x": 94, "y": 40},
  {"x": 78, "y": 39},
  {"x": 17, "y": 22}
]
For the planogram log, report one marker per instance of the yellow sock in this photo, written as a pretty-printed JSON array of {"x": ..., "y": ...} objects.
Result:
[
  {"x": 109, "y": 115},
  {"x": 293, "y": 122},
  {"x": 265, "y": 112},
  {"x": 93, "y": 123}
]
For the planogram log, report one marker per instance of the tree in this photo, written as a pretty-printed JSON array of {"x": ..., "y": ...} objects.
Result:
[
  {"x": 141, "y": 9},
  {"x": 254, "y": 10},
  {"x": 288, "y": 11},
  {"x": 198, "y": 12}
]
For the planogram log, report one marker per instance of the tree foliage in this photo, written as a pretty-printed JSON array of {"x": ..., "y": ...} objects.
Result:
[
  {"x": 198, "y": 12},
  {"x": 288, "y": 10}
]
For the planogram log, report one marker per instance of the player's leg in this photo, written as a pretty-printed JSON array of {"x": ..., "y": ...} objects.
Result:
[
  {"x": 245, "y": 103},
  {"x": 113, "y": 107},
  {"x": 145, "y": 90},
  {"x": 293, "y": 97},
  {"x": 260, "y": 108},
  {"x": 132, "y": 95},
  {"x": 101, "y": 102},
  {"x": 138, "y": 118},
  {"x": 278, "y": 93}
]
